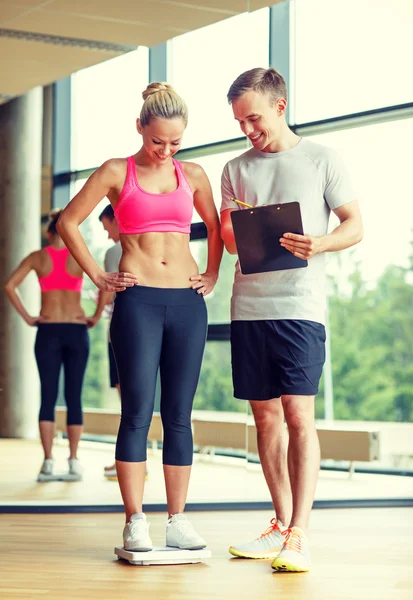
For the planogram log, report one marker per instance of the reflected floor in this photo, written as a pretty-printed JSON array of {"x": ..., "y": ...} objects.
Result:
[{"x": 214, "y": 479}]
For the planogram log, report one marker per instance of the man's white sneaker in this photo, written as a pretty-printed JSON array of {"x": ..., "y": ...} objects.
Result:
[
  {"x": 295, "y": 553},
  {"x": 75, "y": 470},
  {"x": 46, "y": 472},
  {"x": 268, "y": 545},
  {"x": 181, "y": 534},
  {"x": 136, "y": 534}
]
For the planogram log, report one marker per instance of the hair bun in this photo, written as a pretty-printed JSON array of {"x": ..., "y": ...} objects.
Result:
[
  {"x": 55, "y": 214},
  {"x": 156, "y": 86}
]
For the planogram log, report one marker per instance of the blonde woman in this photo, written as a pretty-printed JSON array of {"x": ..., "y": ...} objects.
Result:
[{"x": 159, "y": 319}]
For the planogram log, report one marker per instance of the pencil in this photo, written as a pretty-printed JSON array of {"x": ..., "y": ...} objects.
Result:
[{"x": 242, "y": 203}]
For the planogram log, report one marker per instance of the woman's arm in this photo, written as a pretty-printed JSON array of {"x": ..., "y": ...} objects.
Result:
[
  {"x": 79, "y": 208},
  {"x": 204, "y": 205},
  {"x": 12, "y": 284}
]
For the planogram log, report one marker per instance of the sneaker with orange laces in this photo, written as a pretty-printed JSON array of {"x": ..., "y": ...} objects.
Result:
[
  {"x": 295, "y": 553},
  {"x": 268, "y": 545}
]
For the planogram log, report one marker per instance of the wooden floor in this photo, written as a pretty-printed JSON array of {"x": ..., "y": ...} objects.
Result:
[
  {"x": 358, "y": 554},
  {"x": 221, "y": 479}
]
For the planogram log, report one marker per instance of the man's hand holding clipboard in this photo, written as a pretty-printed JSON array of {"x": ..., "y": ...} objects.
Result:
[{"x": 271, "y": 238}]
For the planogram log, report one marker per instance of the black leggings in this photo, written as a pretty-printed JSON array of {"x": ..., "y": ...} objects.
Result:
[
  {"x": 155, "y": 328},
  {"x": 60, "y": 344}
]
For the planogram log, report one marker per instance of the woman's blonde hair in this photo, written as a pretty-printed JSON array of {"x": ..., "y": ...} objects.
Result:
[{"x": 162, "y": 102}]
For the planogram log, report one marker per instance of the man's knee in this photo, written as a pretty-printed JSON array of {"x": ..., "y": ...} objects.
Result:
[
  {"x": 299, "y": 413},
  {"x": 268, "y": 415}
]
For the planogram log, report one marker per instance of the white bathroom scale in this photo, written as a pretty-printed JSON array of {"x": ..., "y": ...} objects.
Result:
[
  {"x": 42, "y": 477},
  {"x": 163, "y": 555}
]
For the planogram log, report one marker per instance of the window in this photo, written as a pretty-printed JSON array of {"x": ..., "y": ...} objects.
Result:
[
  {"x": 106, "y": 100},
  {"x": 213, "y": 166},
  {"x": 351, "y": 56},
  {"x": 96, "y": 389},
  {"x": 205, "y": 63},
  {"x": 215, "y": 391},
  {"x": 371, "y": 285},
  {"x": 218, "y": 302}
]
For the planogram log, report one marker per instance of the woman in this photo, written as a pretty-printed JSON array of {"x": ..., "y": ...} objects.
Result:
[
  {"x": 159, "y": 319},
  {"x": 62, "y": 339}
]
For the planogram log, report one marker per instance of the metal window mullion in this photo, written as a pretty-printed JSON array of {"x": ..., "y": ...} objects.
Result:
[
  {"x": 281, "y": 52},
  {"x": 62, "y": 124}
]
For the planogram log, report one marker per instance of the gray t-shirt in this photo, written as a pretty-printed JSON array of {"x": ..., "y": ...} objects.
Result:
[
  {"x": 112, "y": 258},
  {"x": 312, "y": 175}
]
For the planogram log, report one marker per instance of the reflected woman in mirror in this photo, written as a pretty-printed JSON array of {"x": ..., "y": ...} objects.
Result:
[{"x": 62, "y": 340}]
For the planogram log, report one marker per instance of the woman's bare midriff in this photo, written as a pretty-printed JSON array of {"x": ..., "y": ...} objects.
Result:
[
  {"x": 158, "y": 259},
  {"x": 62, "y": 306}
]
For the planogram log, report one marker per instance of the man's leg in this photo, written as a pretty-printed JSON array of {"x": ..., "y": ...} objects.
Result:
[
  {"x": 303, "y": 464},
  {"x": 303, "y": 456},
  {"x": 272, "y": 449}
]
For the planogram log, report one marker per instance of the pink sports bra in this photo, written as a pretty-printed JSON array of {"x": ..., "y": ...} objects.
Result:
[
  {"x": 59, "y": 278},
  {"x": 139, "y": 211}
]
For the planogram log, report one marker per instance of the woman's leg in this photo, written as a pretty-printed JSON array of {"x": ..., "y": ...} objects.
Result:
[
  {"x": 75, "y": 357},
  {"x": 136, "y": 335},
  {"x": 49, "y": 361},
  {"x": 182, "y": 352}
]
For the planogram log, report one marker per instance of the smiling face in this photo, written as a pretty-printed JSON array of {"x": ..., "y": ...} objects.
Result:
[
  {"x": 162, "y": 138},
  {"x": 261, "y": 120}
]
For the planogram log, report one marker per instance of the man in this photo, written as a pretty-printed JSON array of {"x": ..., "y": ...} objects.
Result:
[
  {"x": 112, "y": 259},
  {"x": 277, "y": 318}
]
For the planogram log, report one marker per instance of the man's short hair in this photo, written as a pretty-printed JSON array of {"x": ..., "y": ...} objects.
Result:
[
  {"x": 264, "y": 81},
  {"x": 107, "y": 212}
]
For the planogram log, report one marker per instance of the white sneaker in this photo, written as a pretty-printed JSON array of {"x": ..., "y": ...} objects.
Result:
[
  {"x": 75, "y": 470},
  {"x": 295, "y": 553},
  {"x": 268, "y": 545},
  {"x": 181, "y": 534},
  {"x": 136, "y": 534},
  {"x": 46, "y": 472}
]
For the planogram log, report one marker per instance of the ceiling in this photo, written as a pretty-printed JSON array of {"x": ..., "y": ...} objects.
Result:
[{"x": 44, "y": 40}]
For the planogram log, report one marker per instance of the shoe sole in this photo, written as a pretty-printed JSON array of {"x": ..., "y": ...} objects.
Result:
[
  {"x": 200, "y": 547},
  {"x": 287, "y": 566},
  {"x": 241, "y": 554}
]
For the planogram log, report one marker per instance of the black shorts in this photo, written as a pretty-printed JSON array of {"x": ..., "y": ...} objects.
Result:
[
  {"x": 278, "y": 357},
  {"x": 113, "y": 371}
]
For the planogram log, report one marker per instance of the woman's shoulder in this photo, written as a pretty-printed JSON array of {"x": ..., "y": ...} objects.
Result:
[
  {"x": 113, "y": 168},
  {"x": 193, "y": 170},
  {"x": 38, "y": 258},
  {"x": 38, "y": 254}
]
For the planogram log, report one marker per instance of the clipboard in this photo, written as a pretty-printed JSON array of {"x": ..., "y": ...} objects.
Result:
[{"x": 257, "y": 232}]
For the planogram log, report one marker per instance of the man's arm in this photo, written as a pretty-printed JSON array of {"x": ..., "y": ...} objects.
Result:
[
  {"x": 227, "y": 232},
  {"x": 348, "y": 233}
]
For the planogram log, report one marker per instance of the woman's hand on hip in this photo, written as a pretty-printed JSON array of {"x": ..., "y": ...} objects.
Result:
[
  {"x": 34, "y": 321},
  {"x": 115, "y": 282},
  {"x": 204, "y": 283}
]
